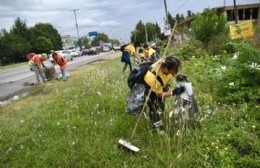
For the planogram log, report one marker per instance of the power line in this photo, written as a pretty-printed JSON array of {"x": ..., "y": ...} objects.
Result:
[{"x": 180, "y": 6}]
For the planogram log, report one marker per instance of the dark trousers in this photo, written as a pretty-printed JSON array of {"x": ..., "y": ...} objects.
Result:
[
  {"x": 126, "y": 59},
  {"x": 155, "y": 105}
]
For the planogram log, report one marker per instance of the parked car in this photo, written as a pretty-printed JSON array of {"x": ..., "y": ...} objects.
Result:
[
  {"x": 65, "y": 53},
  {"x": 106, "y": 48},
  {"x": 116, "y": 47},
  {"x": 74, "y": 53}
]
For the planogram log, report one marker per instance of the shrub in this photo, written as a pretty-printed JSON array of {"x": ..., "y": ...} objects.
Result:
[{"x": 239, "y": 76}]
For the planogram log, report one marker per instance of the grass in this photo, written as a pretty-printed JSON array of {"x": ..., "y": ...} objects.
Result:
[
  {"x": 78, "y": 123},
  {"x": 12, "y": 65}
]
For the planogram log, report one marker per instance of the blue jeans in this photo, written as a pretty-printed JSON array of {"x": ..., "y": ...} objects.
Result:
[
  {"x": 37, "y": 73},
  {"x": 126, "y": 59},
  {"x": 64, "y": 74}
]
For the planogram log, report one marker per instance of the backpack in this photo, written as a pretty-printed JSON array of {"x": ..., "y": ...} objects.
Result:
[{"x": 136, "y": 76}]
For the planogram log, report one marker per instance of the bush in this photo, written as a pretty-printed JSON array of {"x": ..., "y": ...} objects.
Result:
[{"x": 239, "y": 76}]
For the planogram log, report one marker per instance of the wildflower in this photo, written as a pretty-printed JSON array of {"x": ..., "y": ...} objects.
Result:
[
  {"x": 223, "y": 68},
  {"x": 22, "y": 121},
  {"x": 231, "y": 84},
  {"x": 178, "y": 133},
  {"x": 235, "y": 56},
  {"x": 226, "y": 148},
  {"x": 217, "y": 147},
  {"x": 255, "y": 66},
  {"x": 73, "y": 143},
  {"x": 253, "y": 126},
  {"x": 58, "y": 123},
  {"x": 21, "y": 147},
  {"x": 98, "y": 93}
]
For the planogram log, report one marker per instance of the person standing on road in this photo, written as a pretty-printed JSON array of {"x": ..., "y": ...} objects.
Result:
[
  {"x": 36, "y": 65},
  {"x": 62, "y": 62},
  {"x": 127, "y": 51}
]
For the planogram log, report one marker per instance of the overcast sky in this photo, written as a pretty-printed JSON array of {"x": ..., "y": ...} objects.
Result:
[{"x": 116, "y": 18}]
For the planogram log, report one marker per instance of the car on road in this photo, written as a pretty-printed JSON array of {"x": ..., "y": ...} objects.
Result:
[
  {"x": 116, "y": 47},
  {"x": 65, "y": 53},
  {"x": 74, "y": 53}
]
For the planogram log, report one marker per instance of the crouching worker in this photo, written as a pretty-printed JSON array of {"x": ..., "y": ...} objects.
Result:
[
  {"x": 167, "y": 68},
  {"x": 36, "y": 65},
  {"x": 62, "y": 62}
]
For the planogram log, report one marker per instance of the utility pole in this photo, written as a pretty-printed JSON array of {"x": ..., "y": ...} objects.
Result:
[
  {"x": 74, "y": 10},
  {"x": 167, "y": 26},
  {"x": 166, "y": 12},
  {"x": 146, "y": 36},
  {"x": 235, "y": 12}
]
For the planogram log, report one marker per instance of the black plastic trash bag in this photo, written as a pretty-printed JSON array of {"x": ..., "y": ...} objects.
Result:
[{"x": 135, "y": 99}]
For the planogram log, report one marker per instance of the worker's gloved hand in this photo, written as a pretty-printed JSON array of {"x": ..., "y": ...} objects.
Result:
[{"x": 178, "y": 90}]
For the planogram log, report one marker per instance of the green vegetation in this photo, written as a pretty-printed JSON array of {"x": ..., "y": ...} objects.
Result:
[
  {"x": 21, "y": 40},
  {"x": 77, "y": 123}
]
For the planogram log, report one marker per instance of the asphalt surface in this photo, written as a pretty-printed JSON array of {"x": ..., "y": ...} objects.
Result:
[{"x": 11, "y": 88}]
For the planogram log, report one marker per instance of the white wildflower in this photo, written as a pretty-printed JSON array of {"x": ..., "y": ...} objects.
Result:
[
  {"x": 73, "y": 143},
  {"x": 255, "y": 66},
  {"x": 231, "y": 84},
  {"x": 178, "y": 133},
  {"x": 22, "y": 121},
  {"x": 235, "y": 56},
  {"x": 58, "y": 123},
  {"x": 223, "y": 68},
  {"x": 21, "y": 147},
  {"x": 98, "y": 93}
]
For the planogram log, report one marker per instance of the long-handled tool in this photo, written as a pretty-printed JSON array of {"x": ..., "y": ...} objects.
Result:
[{"x": 126, "y": 144}]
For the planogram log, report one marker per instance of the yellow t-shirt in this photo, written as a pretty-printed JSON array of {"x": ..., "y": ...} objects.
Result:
[
  {"x": 156, "y": 86},
  {"x": 149, "y": 52}
]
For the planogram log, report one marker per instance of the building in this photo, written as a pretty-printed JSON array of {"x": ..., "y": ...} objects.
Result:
[
  {"x": 68, "y": 41},
  {"x": 244, "y": 13}
]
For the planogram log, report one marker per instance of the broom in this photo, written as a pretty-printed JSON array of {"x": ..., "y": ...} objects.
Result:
[{"x": 126, "y": 144}]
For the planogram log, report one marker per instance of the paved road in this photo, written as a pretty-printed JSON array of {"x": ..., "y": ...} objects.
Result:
[{"x": 19, "y": 80}]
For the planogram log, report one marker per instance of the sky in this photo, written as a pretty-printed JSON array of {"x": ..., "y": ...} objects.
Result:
[{"x": 116, "y": 18}]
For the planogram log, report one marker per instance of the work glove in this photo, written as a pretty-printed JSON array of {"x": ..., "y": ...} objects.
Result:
[{"x": 178, "y": 90}]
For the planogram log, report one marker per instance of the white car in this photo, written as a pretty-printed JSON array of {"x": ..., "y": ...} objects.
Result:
[
  {"x": 74, "y": 53},
  {"x": 65, "y": 53},
  {"x": 116, "y": 47}
]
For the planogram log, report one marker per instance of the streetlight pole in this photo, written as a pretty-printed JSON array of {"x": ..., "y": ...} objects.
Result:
[{"x": 74, "y": 10}]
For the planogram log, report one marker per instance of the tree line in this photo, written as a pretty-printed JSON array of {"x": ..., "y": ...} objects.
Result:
[{"x": 20, "y": 40}]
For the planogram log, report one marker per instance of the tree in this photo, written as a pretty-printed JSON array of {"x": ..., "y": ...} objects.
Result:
[
  {"x": 42, "y": 45},
  {"x": 171, "y": 20},
  {"x": 85, "y": 42},
  {"x": 208, "y": 25},
  {"x": 100, "y": 37},
  {"x": 48, "y": 31}
]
